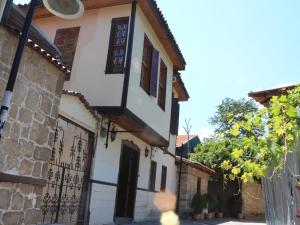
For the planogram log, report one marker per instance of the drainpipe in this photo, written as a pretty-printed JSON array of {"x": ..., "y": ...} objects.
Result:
[
  {"x": 179, "y": 181},
  {"x": 16, "y": 63}
]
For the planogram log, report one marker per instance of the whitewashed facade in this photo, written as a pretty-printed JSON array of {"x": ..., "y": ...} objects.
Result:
[{"x": 124, "y": 107}]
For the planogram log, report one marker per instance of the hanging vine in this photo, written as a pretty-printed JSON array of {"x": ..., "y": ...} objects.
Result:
[{"x": 263, "y": 138}]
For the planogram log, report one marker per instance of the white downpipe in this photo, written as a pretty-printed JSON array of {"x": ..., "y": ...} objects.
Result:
[{"x": 4, "y": 109}]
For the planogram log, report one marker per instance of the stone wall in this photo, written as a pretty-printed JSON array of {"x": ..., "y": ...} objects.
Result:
[
  {"x": 25, "y": 148},
  {"x": 188, "y": 187},
  {"x": 253, "y": 199}
]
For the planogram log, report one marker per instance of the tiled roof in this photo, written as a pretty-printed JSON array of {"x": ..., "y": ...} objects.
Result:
[
  {"x": 156, "y": 11},
  {"x": 83, "y": 100},
  {"x": 182, "y": 139},
  {"x": 263, "y": 97},
  {"x": 196, "y": 165},
  {"x": 165, "y": 24}
]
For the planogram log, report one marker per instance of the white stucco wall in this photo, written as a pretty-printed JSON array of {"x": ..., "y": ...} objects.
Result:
[
  {"x": 139, "y": 101},
  {"x": 72, "y": 108},
  {"x": 2, "y": 5},
  {"x": 106, "y": 169},
  {"x": 88, "y": 73}
]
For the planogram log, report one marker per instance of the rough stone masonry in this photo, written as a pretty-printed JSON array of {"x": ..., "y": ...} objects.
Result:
[{"x": 25, "y": 148}]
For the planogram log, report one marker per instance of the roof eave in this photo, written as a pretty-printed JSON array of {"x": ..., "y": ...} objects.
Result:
[
  {"x": 180, "y": 88},
  {"x": 264, "y": 96},
  {"x": 152, "y": 12}
]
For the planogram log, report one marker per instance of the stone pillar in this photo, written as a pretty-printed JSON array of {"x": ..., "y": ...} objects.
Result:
[
  {"x": 25, "y": 148},
  {"x": 253, "y": 200}
]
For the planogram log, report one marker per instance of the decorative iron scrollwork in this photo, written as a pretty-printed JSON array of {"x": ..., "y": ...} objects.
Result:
[{"x": 66, "y": 175}]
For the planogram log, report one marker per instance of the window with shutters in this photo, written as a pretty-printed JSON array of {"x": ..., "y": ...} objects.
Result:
[
  {"x": 199, "y": 185},
  {"x": 66, "y": 40},
  {"x": 149, "y": 71},
  {"x": 152, "y": 177},
  {"x": 162, "y": 85},
  {"x": 117, "y": 45},
  {"x": 163, "y": 181},
  {"x": 175, "y": 116}
]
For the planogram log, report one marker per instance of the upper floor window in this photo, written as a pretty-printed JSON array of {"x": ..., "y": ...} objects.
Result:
[
  {"x": 163, "y": 181},
  {"x": 149, "y": 68},
  {"x": 162, "y": 85},
  {"x": 117, "y": 45},
  {"x": 66, "y": 40}
]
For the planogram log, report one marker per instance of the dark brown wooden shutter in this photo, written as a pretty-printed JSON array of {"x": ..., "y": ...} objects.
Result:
[
  {"x": 154, "y": 72},
  {"x": 175, "y": 116},
  {"x": 162, "y": 85},
  {"x": 66, "y": 40},
  {"x": 163, "y": 181},
  {"x": 146, "y": 65},
  {"x": 152, "y": 177}
]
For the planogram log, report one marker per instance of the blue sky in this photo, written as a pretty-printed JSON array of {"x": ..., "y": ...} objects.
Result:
[{"x": 232, "y": 47}]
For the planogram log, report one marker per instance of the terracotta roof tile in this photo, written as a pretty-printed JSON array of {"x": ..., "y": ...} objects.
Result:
[
  {"x": 83, "y": 100},
  {"x": 182, "y": 139},
  {"x": 196, "y": 165}
]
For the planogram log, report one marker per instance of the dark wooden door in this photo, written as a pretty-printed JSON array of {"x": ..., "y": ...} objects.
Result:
[{"x": 127, "y": 183}]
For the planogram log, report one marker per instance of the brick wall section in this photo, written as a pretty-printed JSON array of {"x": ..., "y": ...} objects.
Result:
[
  {"x": 25, "y": 148},
  {"x": 188, "y": 187},
  {"x": 253, "y": 199}
]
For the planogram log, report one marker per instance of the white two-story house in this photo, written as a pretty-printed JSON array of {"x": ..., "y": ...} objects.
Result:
[{"x": 125, "y": 61}]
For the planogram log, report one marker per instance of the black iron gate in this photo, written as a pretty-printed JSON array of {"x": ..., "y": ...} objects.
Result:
[{"x": 65, "y": 195}]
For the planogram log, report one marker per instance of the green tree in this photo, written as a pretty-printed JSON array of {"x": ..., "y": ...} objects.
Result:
[
  {"x": 255, "y": 141},
  {"x": 213, "y": 151},
  {"x": 231, "y": 111}
]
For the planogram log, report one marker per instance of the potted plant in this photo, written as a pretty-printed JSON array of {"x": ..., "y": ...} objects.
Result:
[
  {"x": 219, "y": 207},
  {"x": 238, "y": 206},
  {"x": 211, "y": 205},
  {"x": 198, "y": 204}
]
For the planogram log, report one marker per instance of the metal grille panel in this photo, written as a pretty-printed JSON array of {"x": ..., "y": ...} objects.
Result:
[{"x": 64, "y": 195}]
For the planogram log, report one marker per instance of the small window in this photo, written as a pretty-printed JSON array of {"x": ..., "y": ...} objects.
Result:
[
  {"x": 163, "y": 178},
  {"x": 199, "y": 185},
  {"x": 66, "y": 40},
  {"x": 117, "y": 45},
  {"x": 152, "y": 177},
  {"x": 162, "y": 85},
  {"x": 149, "y": 68}
]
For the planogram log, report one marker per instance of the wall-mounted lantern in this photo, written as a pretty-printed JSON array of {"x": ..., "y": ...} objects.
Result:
[
  {"x": 113, "y": 133},
  {"x": 146, "y": 152}
]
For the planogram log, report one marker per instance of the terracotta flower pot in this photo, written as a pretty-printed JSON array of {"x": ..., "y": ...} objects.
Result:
[
  {"x": 220, "y": 215},
  {"x": 209, "y": 216},
  {"x": 298, "y": 185},
  {"x": 198, "y": 216},
  {"x": 240, "y": 216}
]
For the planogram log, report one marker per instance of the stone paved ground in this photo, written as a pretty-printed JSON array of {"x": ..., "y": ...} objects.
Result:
[
  {"x": 215, "y": 222},
  {"x": 224, "y": 222}
]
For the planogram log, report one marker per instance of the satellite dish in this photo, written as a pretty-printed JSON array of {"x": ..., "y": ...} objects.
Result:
[{"x": 66, "y": 9}]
